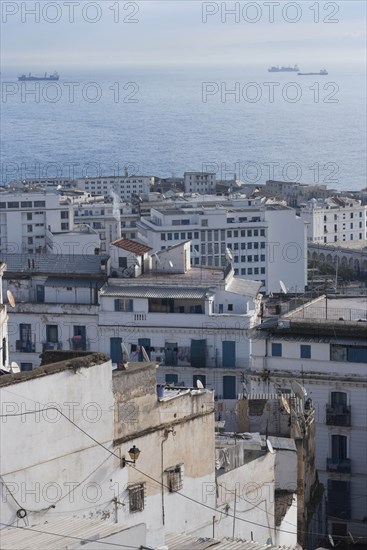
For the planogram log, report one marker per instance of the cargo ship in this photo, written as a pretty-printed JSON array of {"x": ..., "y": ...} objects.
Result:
[
  {"x": 282, "y": 69},
  {"x": 33, "y": 78},
  {"x": 320, "y": 73}
]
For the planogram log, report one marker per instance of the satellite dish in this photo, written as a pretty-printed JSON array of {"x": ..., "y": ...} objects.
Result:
[
  {"x": 124, "y": 352},
  {"x": 199, "y": 384},
  {"x": 295, "y": 418},
  {"x": 59, "y": 187},
  {"x": 331, "y": 540},
  {"x": 145, "y": 355},
  {"x": 285, "y": 404},
  {"x": 270, "y": 447},
  {"x": 283, "y": 287},
  {"x": 14, "y": 367},
  {"x": 170, "y": 263},
  {"x": 351, "y": 537},
  {"x": 298, "y": 389},
  {"x": 10, "y": 297},
  {"x": 229, "y": 254}
]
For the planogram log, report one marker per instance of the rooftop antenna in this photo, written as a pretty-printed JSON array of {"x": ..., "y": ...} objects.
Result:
[
  {"x": 199, "y": 384},
  {"x": 10, "y": 297}
]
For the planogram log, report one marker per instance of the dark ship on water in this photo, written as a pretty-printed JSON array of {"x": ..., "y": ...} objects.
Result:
[
  {"x": 323, "y": 72},
  {"x": 282, "y": 69},
  {"x": 32, "y": 78}
]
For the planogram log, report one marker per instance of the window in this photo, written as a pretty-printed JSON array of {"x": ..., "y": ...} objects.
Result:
[
  {"x": 65, "y": 226},
  {"x": 26, "y": 367},
  {"x": 123, "y": 304},
  {"x": 174, "y": 478},
  {"x": 229, "y": 387},
  {"x": 204, "y": 223},
  {"x": 29, "y": 216},
  {"x": 29, "y": 228},
  {"x": 230, "y": 307},
  {"x": 197, "y": 377},
  {"x": 276, "y": 350},
  {"x": 13, "y": 204},
  {"x": 52, "y": 334},
  {"x": 26, "y": 204},
  {"x": 39, "y": 204},
  {"x": 136, "y": 497},
  {"x": 172, "y": 379},
  {"x": 123, "y": 262},
  {"x": 305, "y": 351},
  {"x": 64, "y": 215},
  {"x": 163, "y": 236}
]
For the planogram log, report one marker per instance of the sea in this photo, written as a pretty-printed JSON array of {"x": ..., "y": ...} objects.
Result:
[{"x": 241, "y": 122}]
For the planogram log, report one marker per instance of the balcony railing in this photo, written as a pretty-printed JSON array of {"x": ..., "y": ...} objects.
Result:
[
  {"x": 25, "y": 346},
  {"x": 339, "y": 465},
  {"x": 338, "y": 415},
  {"x": 51, "y": 346}
]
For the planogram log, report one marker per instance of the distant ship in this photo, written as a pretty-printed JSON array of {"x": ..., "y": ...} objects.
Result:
[
  {"x": 32, "y": 78},
  {"x": 320, "y": 73},
  {"x": 283, "y": 69}
]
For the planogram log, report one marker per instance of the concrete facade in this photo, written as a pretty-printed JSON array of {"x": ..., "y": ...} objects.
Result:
[{"x": 323, "y": 346}]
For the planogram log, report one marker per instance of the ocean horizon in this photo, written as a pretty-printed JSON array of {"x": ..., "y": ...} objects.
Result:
[{"x": 241, "y": 121}]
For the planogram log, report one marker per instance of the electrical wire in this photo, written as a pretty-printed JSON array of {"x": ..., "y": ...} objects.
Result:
[{"x": 191, "y": 499}]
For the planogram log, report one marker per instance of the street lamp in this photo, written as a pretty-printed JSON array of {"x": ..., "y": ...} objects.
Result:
[{"x": 134, "y": 453}]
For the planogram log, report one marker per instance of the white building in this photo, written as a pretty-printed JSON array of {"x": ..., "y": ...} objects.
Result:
[
  {"x": 60, "y": 305},
  {"x": 323, "y": 346},
  {"x": 56, "y": 303},
  {"x": 26, "y": 216},
  {"x": 267, "y": 243},
  {"x": 335, "y": 220},
  {"x": 57, "y": 465},
  {"x": 4, "y": 358},
  {"x": 123, "y": 186},
  {"x": 200, "y": 182}
]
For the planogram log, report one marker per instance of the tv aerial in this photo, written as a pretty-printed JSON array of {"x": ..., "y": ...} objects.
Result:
[
  {"x": 10, "y": 297},
  {"x": 270, "y": 447}
]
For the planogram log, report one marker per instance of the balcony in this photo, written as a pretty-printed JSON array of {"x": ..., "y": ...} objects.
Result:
[
  {"x": 339, "y": 465},
  {"x": 25, "y": 346},
  {"x": 78, "y": 343},
  {"x": 51, "y": 346},
  {"x": 338, "y": 415}
]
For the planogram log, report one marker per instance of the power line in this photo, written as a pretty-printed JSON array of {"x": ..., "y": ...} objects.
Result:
[{"x": 161, "y": 483}]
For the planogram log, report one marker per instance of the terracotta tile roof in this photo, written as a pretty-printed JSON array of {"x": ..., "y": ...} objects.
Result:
[{"x": 132, "y": 246}]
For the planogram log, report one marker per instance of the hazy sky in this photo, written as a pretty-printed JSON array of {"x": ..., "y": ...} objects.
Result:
[{"x": 173, "y": 33}]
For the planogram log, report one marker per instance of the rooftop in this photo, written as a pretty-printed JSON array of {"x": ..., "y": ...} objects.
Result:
[
  {"x": 54, "y": 263},
  {"x": 73, "y": 361},
  {"x": 54, "y": 534},
  {"x": 132, "y": 246},
  {"x": 190, "y": 542}
]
